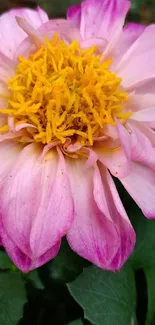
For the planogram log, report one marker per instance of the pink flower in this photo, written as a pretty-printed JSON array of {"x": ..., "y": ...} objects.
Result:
[{"x": 77, "y": 104}]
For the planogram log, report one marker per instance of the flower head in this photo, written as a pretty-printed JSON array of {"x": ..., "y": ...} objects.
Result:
[{"x": 76, "y": 105}]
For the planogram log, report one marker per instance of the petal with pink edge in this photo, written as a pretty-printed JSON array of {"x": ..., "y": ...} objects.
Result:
[
  {"x": 9, "y": 25},
  {"x": 36, "y": 202},
  {"x": 103, "y": 19},
  {"x": 137, "y": 66},
  {"x": 92, "y": 234},
  {"x": 19, "y": 198},
  {"x": 74, "y": 15},
  {"x": 108, "y": 201},
  {"x": 131, "y": 32},
  {"x": 21, "y": 260},
  {"x": 140, "y": 184}
]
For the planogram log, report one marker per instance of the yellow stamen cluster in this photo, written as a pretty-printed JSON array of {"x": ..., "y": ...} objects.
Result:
[{"x": 65, "y": 91}]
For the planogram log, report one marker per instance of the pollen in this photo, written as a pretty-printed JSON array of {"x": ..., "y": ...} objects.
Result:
[{"x": 64, "y": 91}]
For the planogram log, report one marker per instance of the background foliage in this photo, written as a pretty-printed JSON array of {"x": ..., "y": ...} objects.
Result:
[{"x": 69, "y": 290}]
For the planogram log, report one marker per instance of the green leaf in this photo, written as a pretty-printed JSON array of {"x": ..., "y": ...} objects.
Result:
[
  {"x": 76, "y": 322},
  {"x": 66, "y": 265},
  {"x": 143, "y": 255},
  {"x": 34, "y": 278},
  {"x": 5, "y": 262},
  {"x": 107, "y": 298},
  {"x": 150, "y": 278},
  {"x": 12, "y": 298}
]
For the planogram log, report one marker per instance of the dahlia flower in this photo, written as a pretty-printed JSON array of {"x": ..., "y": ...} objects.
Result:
[{"x": 77, "y": 104}]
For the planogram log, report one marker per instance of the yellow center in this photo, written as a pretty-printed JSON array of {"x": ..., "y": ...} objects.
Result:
[{"x": 66, "y": 92}]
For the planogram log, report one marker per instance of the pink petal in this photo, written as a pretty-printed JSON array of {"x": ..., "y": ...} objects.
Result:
[
  {"x": 110, "y": 131},
  {"x": 130, "y": 34},
  {"x": 36, "y": 203},
  {"x": 137, "y": 146},
  {"x": 124, "y": 139},
  {"x": 21, "y": 260},
  {"x": 99, "y": 42},
  {"x": 34, "y": 35},
  {"x": 9, "y": 152},
  {"x": 62, "y": 27},
  {"x": 9, "y": 25},
  {"x": 142, "y": 149},
  {"x": 137, "y": 66},
  {"x": 3, "y": 119},
  {"x": 140, "y": 184},
  {"x": 103, "y": 19},
  {"x": 150, "y": 134},
  {"x": 140, "y": 102},
  {"x": 55, "y": 212},
  {"x": 108, "y": 201},
  {"x": 74, "y": 15},
  {"x": 142, "y": 97},
  {"x": 113, "y": 157},
  {"x": 92, "y": 234},
  {"x": 92, "y": 158},
  {"x": 19, "y": 198},
  {"x": 7, "y": 67},
  {"x": 4, "y": 94},
  {"x": 132, "y": 31},
  {"x": 145, "y": 115}
]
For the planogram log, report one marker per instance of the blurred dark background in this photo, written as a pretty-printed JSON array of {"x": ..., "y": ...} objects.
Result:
[{"x": 141, "y": 10}]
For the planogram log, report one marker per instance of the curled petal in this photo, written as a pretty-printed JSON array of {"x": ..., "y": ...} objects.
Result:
[
  {"x": 108, "y": 201},
  {"x": 92, "y": 234},
  {"x": 137, "y": 146},
  {"x": 112, "y": 155},
  {"x": 142, "y": 149},
  {"x": 36, "y": 38},
  {"x": 124, "y": 139},
  {"x": 145, "y": 129}
]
